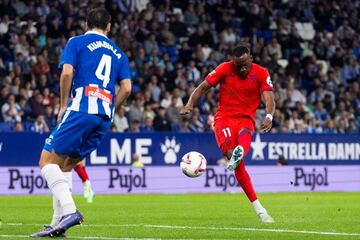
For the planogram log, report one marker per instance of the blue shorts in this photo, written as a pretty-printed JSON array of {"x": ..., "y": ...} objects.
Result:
[{"x": 78, "y": 134}]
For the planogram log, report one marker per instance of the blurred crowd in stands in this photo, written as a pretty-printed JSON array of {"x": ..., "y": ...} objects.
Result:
[{"x": 311, "y": 48}]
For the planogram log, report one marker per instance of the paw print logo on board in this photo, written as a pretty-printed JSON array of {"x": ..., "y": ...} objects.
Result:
[{"x": 170, "y": 148}]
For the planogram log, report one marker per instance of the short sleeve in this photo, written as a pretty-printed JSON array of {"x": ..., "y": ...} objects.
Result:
[
  {"x": 123, "y": 68},
  {"x": 216, "y": 75},
  {"x": 265, "y": 81},
  {"x": 69, "y": 54}
]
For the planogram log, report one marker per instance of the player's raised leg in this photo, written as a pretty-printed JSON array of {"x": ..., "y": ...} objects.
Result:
[{"x": 240, "y": 151}]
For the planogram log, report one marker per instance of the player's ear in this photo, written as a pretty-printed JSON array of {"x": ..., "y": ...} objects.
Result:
[
  {"x": 251, "y": 58},
  {"x": 108, "y": 27}
]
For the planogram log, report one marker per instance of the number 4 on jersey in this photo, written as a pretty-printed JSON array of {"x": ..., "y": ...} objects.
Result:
[{"x": 104, "y": 64}]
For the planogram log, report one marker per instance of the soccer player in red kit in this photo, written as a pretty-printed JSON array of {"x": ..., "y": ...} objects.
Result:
[{"x": 242, "y": 83}]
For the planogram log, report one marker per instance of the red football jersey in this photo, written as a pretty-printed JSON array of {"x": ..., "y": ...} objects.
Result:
[{"x": 239, "y": 97}]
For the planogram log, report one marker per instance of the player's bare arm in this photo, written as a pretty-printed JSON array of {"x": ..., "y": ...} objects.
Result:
[
  {"x": 124, "y": 93},
  {"x": 203, "y": 88},
  {"x": 269, "y": 100},
  {"x": 66, "y": 77}
]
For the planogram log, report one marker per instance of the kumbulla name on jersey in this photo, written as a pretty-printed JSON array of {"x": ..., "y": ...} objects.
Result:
[{"x": 103, "y": 44}]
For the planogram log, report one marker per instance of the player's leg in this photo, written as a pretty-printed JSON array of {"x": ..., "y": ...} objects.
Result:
[
  {"x": 59, "y": 182},
  {"x": 50, "y": 164},
  {"x": 89, "y": 143},
  {"x": 243, "y": 142},
  {"x": 57, "y": 210},
  {"x": 242, "y": 129},
  {"x": 82, "y": 173},
  {"x": 64, "y": 141},
  {"x": 243, "y": 178}
]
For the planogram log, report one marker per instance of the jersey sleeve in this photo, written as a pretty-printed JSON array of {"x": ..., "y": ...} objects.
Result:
[
  {"x": 69, "y": 54},
  {"x": 123, "y": 68},
  {"x": 265, "y": 81},
  {"x": 216, "y": 75}
]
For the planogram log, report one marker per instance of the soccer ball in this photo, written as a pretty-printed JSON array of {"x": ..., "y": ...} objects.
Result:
[{"x": 193, "y": 164}]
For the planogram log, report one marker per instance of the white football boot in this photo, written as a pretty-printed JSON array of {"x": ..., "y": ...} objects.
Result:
[{"x": 236, "y": 158}]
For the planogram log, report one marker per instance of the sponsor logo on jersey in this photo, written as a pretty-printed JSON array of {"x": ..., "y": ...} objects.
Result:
[{"x": 93, "y": 91}]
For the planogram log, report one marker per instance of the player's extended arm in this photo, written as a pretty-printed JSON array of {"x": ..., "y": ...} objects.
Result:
[
  {"x": 123, "y": 94},
  {"x": 269, "y": 100},
  {"x": 66, "y": 77},
  {"x": 194, "y": 97}
]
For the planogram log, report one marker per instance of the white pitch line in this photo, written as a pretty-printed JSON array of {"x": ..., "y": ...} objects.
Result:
[
  {"x": 13, "y": 236},
  {"x": 111, "y": 238},
  {"x": 207, "y": 228}
]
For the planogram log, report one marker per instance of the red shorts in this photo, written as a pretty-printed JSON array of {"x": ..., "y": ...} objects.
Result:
[{"x": 227, "y": 130}]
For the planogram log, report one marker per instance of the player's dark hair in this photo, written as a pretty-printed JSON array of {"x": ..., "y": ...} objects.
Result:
[
  {"x": 240, "y": 50},
  {"x": 98, "y": 18}
]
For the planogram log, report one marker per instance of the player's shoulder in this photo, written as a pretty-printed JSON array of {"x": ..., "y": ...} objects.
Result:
[
  {"x": 258, "y": 69},
  {"x": 225, "y": 66}
]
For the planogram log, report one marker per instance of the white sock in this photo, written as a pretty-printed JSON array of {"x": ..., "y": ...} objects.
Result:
[
  {"x": 59, "y": 187},
  {"x": 258, "y": 207},
  {"x": 68, "y": 177},
  {"x": 57, "y": 212}
]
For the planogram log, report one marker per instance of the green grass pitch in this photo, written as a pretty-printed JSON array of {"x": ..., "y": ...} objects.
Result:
[{"x": 192, "y": 216}]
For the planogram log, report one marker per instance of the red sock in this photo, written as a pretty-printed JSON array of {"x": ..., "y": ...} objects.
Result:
[
  {"x": 81, "y": 172},
  {"x": 243, "y": 178}
]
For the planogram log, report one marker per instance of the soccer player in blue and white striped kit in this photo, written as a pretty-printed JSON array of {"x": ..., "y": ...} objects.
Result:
[{"x": 91, "y": 66}]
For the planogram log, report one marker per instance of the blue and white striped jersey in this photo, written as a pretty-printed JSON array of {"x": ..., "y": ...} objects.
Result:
[{"x": 99, "y": 64}]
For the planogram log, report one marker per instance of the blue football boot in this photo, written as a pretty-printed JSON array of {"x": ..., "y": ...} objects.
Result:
[
  {"x": 66, "y": 222},
  {"x": 45, "y": 232}
]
